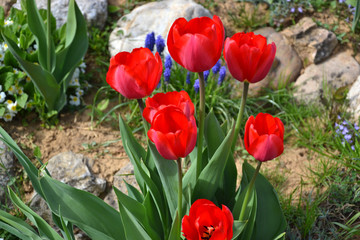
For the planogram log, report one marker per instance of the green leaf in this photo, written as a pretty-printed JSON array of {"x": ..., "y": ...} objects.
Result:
[
  {"x": 238, "y": 227},
  {"x": 134, "y": 193},
  {"x": 270, "y": 220},
  {"x": 44, "y": 228},
  {"x": 92, "y": 215},
  {"x": 153, "y": 214},
  {"x": 42, "y": 79},
  {"x": 248, "y": 231},
  {"x": 214, "y": 136},
  {"x": 169, "y": 178},
  {"x": 210, "y": 177},
  {"x": 138, "y": 215},
  {"x": 103, "y": 104},
  {"x": 21, "y": 100},
  {"x": 17, "y": 226},
  {"x": 8, "y": 79},
  {"x": 37, "y": 27},
  {"x": 2, "y": 111},
  {"x": 76, "y": 43},
  {"x": 175, "y": 230}
]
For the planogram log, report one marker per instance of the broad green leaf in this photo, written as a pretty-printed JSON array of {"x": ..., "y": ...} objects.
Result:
[
  {"x": 136, "y": 212},
  {"x": 131, "y": 145},
  {"x": 14, "y": 231},
  {"x": 169, "y": 178},
  {"x": 8, "y": 79},
  {"x": 42, "y": 79},
  {"x": 248, "y": 231},
  {"x": 270, "y": 220},
  {"x": 214, "y": 136},
  {"x": 134, "y": 193},
  {"x": 153, "y": 215},
  {"x": 2, "y": 111},
  {"x": 210, "y": 177},
  {"x": 92, "y": 215},
  {"x": 103, "y": 104},
  {"x": 21, "y": 226},
  {"x": 75, "y": 44},
  {"x": 133, "y": 230},
  {"x": 44, "y": 228},
  {"x": 37, "y": 27},
  {"x": 175, "y": 230},
  {"x": 238, "y": 227}
]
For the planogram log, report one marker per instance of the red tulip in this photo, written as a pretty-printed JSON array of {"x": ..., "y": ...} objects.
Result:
[
  {"x": 173, "y": 133},
  {"x": 264, "y": 137},
  {"x": 207, "y": 221},
  {"x": 160, "y": 100},
  {"x": 248, "y": 56},
  {"x": 196, "y": 45},
  {"x": 135, "y": 75}
]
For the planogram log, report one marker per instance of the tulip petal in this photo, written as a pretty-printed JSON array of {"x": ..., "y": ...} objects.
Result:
[
  {"x": 266, "y": 147},
  {"x": 265, "y": 63}
]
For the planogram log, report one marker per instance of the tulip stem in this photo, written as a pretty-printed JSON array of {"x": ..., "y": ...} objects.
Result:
[
  {"x": 179, "y": 191},
  {"x": 141, "y": 106},
  {"x": 249, "y": 191},
  {"x": 48, "y": 39},
  {"x": 201, "y": 124},
  {"x": 240, "y": 114}
]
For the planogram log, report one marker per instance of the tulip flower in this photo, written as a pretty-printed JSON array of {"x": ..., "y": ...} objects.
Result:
[
  {"x": 173, "y": 133},
  {"x": 248, "y": 56},
  {"x": 160, "y": 100},
  {"x": 196, "y": 45},
  {"x": 264, "y": 137},
  {"x": 207, "y": 221},
  {"x": 135, "y": 75}
]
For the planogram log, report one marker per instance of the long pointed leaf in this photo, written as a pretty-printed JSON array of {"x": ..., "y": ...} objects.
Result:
[{"x": 85, "y": 210}]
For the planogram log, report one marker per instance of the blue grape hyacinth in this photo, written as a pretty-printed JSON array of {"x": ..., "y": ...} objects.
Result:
[
  {"x": 222, "y": 74},
  {"x": 216, "y": 68},
  {"x": 150, "y": 41},
  {"x": 160, "y": 44},
  {"x": 197, "y": 85},
  {"x": 188, "y": 78}
]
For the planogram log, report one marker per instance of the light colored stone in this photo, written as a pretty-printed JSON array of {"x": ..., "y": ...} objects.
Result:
[
  {"x": 6, "y": 165},
  {"x": 74, "y": 170},
  {"x": 157, "y": 17},
  {"x": 6, "y": 4},
  {"x": 124, "y": 174},
  {"x": 94, "y": 11},
  {"x": 304, "y": 26},
  {"x": 313, "y": 44},
  {"x": 287, "y": 64},
  {"x": 319, "y": 80},
  {"x": 354, "y": 98}
]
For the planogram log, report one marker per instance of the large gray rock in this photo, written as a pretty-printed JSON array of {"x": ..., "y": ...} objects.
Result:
[
  {"x": 157, "y": 17},
  {"x": 124, "y": 174},
  {"x": 287, "y": 64},
  {"x": 6, "y": 170},
  {"x": 319, "y": 80},
  {"x": 313, "y": 44},
  {"x": 94, "y": 11},
  {"x": 74, "y": 170},
  {"x": 354, "y": 98}
]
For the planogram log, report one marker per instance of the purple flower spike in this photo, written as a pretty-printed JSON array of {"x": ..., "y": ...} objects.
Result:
[
  {"x": 206, "y": 75},
  {"x": 167, "y": 74},
  {"x": 150, "y": 41},
  {"x": 197, "y": 85},
  {"x": 353, "y": 147},
  {"x": 292, "y": 10},
  {"x": 188, "y": 78},
  {"x": 160, "y": 44},
  {"x": 300, "y": 9},
  {"x": 168, "y": 62},
  {"x": 222, "y": 74},
  {"x": 216, "y": 68}
]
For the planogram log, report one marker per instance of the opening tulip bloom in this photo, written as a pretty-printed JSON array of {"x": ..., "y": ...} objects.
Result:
[
  {"x": 196, "y": 45},
  {"x": 135, "y": 75},
  {"x": 207, "y": 221},
  {"x": 264, "y": 137},
  {"x": 160, "y": 100},
  {"x": 173, "y": 133},
  {"x": 248, "y": 56}
]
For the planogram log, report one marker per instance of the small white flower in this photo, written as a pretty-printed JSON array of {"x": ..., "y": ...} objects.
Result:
[
  {"x": 75, "y": 100},
  {"x": 30, "y": 50},
  {"x": 15, "y": 70},
  {"x": 87, "y": 85},
  {"x": 79, "y": 92},
  {"x": 35, "y": 46},
  {"x": 74, "y": 82},
  {"x": 19, "y": 90},
  {"x": 8, "y": 102},
  {"x": 8, "y": 22},
  {"x": 2, "y": 97},
  {"x": 4, "y": 46},
  {"x": 12, "y": 90},
  {"x": 2, "y": 55},
  {"x": 12, "y": 107},
  {"x": 28, "y": 79},
  {"x": 8, "y": 117},
  {"x": 76, "y": 73}
]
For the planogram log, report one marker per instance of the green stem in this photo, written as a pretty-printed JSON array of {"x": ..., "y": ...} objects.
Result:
[
  {"x": 249, "y": 191},
  {"x": 179, "y": 191},
  {"x": 141, "y": 106},
  {"x": 201, "y": 124},
  {"x": 240, "y": 114},
  {"x": 48, "y": 40}
]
